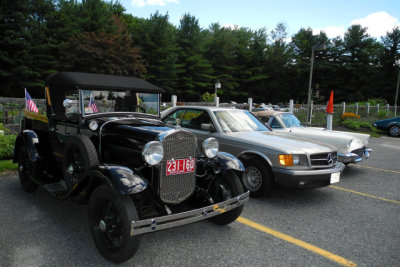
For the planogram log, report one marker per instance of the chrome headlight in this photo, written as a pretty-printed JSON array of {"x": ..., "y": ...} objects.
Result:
[
  {"x": 153, "y": 153},
  {"x": 210, "y": 147},
  {"x": 93, "y": 125}
]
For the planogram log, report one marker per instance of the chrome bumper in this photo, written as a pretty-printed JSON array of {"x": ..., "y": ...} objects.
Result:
[
  {"x": 353, "y": 157},
  {"x": 338, "y": 167},
  {"x": 173, "y": 220},
  {"x": 308, "y": 178}
]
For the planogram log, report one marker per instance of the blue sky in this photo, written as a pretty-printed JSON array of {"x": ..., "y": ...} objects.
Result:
[{"x": 334, "y": 17}]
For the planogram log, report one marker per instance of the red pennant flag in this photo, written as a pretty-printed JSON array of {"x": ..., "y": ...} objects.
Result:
[{"x": 329, "y": 107}]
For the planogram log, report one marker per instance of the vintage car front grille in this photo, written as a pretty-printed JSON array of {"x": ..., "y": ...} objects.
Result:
[
  {"x": 176, "y": 188},
  {"x": 319, "y": 160}
]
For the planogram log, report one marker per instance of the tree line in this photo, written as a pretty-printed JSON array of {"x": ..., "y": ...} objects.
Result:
[{"x": 39, "y": 37}]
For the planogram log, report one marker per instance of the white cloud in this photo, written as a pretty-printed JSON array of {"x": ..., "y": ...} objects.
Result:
[
  {"x": 332, "y": 31},
  {"x": 142, "y": 3},
  {"x": 378, "y": 23},
  {"x": 230, "y": 26}
]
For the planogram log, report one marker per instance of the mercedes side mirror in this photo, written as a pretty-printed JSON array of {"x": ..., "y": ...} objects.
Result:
[{"x": 208, "y": 127}]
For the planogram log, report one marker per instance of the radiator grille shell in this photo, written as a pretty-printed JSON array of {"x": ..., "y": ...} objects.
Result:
[{"x": 176, "y": 188}]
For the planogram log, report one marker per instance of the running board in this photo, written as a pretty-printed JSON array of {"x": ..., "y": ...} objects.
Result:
[{"x": 56, "y": 189}]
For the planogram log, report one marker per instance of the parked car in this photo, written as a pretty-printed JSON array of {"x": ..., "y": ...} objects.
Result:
[
  {"x": 260, "y": 107},
  {"x": 392, "y": 126},
  {"x": 268, "y": 157},
  {"x": 99, "y": 144},
  {"x": 351, "y": 147}
]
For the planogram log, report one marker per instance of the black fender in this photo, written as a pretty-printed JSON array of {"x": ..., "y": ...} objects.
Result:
[
  {"x": 123, "y": 180},
  {"x": 29, "y": 139},
  {"x": 228, "y": 162}
]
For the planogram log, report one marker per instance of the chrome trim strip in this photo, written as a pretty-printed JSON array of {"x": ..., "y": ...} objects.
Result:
[{"x": 169, "y": 221}]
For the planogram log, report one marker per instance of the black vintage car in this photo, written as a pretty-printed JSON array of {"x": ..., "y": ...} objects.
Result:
[{"x": 102, "y": 142}]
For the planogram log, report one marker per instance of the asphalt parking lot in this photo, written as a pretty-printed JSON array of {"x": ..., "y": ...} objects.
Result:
[{"x": 355, "y": 222}]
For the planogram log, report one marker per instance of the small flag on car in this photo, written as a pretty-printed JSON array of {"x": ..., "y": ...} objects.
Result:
[
  {"x": 30, "y": 105},
  {"x": 92, "y": 104}
]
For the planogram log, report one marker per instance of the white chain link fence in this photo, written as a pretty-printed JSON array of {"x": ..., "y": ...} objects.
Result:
[{"x": 11, "y": 111}]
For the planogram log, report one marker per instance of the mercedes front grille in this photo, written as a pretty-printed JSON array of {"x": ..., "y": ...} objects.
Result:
[{"x": 323, "y": 160}]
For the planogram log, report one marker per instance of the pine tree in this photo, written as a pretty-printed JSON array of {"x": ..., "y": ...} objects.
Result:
[
  {"x": 196, "y": 76},
  {"x": 14, "y": 47},
  {"x": 157, "y": 39}
]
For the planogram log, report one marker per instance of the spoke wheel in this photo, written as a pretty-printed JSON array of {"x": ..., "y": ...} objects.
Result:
[
  {"x": 110, "y": 216},
  {"x": 79, "y": 156},
  {"x": 394, "y": 130},
  {"x": 26, "y": 171},
  {"x": 228, "y": 188}
]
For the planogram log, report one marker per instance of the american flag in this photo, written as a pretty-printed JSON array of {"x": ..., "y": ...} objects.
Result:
[
  {"x": 30, "y": 105},
  {"x": 92, "y": 104}
]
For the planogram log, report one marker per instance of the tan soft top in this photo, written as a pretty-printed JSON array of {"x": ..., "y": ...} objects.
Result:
[{"x": 264, "y": 113}]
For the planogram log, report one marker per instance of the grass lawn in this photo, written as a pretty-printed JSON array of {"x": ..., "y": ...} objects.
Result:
[{"x": 7, "y": 165}]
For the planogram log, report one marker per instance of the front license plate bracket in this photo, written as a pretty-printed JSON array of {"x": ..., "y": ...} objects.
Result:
[
  {"x": 180, "y": 166},
  {"x": 335, "y": 177}
]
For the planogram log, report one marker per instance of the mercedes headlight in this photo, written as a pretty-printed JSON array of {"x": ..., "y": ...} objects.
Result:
[
  {"x": 153, "y": 153},
  {"x": 210, "y": 147},
  {"x": 289, "y": 159}
]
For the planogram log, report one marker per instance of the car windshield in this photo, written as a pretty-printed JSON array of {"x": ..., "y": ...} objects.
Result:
[
  {"x": 290, "y": 120},
  {"x": 96, "y": 101},
  {"x": 239, "y": 121}
]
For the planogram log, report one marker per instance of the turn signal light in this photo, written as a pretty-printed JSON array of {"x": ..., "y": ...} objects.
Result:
[{"x": 286, "y": 160}]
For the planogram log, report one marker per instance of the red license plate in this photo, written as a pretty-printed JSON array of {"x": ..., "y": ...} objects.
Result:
[{"x": 180, "y": 166}]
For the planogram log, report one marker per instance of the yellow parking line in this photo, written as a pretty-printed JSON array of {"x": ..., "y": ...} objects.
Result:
[
  {"x": 324, "y": 253},
  {"x": 363, "y": 194},
  {"x": 377, "y": 169}
]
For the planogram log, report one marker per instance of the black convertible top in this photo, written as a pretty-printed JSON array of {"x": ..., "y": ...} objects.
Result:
[{"x": 68, "y": 80}]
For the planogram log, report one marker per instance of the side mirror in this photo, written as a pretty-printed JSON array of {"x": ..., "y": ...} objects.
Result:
[
  {"x": 208, "y": 127},
  {"x": 67, "y": 103}
]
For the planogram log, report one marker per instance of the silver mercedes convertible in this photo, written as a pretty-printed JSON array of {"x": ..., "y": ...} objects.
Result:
[{"x": 268, "y": 157}]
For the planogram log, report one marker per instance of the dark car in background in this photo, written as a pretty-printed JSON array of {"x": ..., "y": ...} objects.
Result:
[
  {"x": 391, "y": 126},
  {"x": 102, "y": 142}
]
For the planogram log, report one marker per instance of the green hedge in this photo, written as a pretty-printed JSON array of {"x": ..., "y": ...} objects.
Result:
[
  {"x": 7, "y": 146},
  {"x": 7, "y": 165}
]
